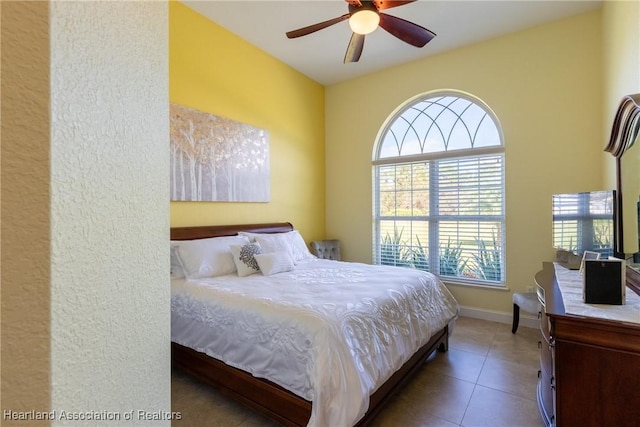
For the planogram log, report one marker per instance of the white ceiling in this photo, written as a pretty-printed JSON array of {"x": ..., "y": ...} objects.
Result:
[{"x": 457, "y": 23}]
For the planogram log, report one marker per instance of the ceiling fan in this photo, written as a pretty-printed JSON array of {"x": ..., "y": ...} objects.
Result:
[{"x": 364, "y": 17}]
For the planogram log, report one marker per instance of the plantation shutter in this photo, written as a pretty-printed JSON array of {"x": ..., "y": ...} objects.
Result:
[{"x": 470, "y": 212}]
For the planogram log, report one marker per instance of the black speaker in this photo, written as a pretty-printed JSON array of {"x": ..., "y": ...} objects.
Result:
[{"x": 604, "y": 281}]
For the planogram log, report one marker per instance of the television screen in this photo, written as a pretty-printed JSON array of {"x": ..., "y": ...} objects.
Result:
[{"x": 584, "y": 222}]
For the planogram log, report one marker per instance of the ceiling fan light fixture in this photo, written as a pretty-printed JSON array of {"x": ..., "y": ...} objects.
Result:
[
  {"x": 364, "y": 21},
  {"x": 364, "y": 17}
]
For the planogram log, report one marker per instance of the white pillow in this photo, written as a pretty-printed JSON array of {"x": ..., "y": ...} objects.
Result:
[
  {"x": 274, "y": 262},
  {"x": 251, "y": 236},
  {"x": 290, "y": 241},
  {"x": 209, "y": 257},
  {"x": 277, "y": 242},
  {"x": 177, "y": 269},
  {"x": 243, "y": 258},
  {"x": 299, "y": 249}
]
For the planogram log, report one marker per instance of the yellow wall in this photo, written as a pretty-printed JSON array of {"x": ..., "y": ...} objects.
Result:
[
  {"x": 212, "y": 70},
  {"x": 544, "y": 84}
]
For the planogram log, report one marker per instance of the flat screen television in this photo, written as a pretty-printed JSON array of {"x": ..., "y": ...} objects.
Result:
[{"x": 585, "y": 222}]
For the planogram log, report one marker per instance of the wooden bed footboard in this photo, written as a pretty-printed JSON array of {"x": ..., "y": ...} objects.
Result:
[
  {"x": 280, "y": 404},
  {"x": 259, "y": 394},
  {"x": 265, "y": 396}
]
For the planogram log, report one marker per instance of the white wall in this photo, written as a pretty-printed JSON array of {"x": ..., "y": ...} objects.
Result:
[{"x": 110, "y": 302}]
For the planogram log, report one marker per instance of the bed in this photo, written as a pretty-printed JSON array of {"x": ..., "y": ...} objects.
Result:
[{"x": 338, "y": 363}]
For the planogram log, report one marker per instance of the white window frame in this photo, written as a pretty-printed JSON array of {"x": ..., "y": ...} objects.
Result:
[{"x": 432, "y": 159}]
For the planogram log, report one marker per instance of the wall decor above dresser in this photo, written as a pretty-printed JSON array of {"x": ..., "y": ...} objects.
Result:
[{"x": 624, "y": 146}]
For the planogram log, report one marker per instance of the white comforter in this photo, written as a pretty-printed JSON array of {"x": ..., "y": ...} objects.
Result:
[{"x": 331, "y": 332}]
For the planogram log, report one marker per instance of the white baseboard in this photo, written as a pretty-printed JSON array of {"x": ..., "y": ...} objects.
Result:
[{"x": 526, "y": 319}]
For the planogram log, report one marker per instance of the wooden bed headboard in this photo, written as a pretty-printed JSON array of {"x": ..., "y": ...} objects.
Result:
[{"x": 203, "y": 232}]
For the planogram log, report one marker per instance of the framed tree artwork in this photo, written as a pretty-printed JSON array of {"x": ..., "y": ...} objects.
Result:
[{"x": 217, "y": 159}]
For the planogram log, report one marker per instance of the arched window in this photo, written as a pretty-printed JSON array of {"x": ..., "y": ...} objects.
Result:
[{"x": 439, "y": 189}]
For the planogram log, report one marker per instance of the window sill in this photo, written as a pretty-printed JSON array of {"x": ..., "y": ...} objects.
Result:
[{"x": 467, "y": 284}]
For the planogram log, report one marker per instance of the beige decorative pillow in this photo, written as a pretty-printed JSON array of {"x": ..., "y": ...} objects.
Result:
[
  {"x": 274, "y": 262},
  {"x": 244, "y": 258}
]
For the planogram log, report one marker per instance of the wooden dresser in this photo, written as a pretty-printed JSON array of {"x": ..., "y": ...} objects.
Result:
[{"x": 589, "y": 365}]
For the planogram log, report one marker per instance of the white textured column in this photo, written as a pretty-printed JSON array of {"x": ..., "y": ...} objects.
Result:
[{"x": 110, "y": 297}]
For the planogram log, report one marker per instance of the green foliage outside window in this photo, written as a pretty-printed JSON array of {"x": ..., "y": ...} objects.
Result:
[
  {"x": 452, "y": 262},
  {"x": 484, "y": 263},
  {"x": 394, "y": 252},
  {"x": 487, "y": 262}
]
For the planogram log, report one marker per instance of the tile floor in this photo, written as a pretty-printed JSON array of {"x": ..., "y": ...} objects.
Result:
[{"x": 487, "y": 378}]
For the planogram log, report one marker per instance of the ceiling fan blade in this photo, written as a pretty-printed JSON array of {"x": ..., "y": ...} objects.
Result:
[
  {"x": 354, "y": 50},
  {"x": 388, "y": 4},
  {"x": 315, "y": 27},
  {"x": 406, "y": 31}
]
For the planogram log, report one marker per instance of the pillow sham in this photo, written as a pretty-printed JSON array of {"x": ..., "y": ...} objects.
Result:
[
  {"x": 177, "y": 270},
  {"x": 274, "y": 262},
  {"x": 244, "y": 258},
  {"x": 290, "y": 241},
  {"x": 299, "y": 249},
  {"x": 251, "y": 236},
  {"x": 273, "y": 243},
  {"x": 209, "y": 257}
]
